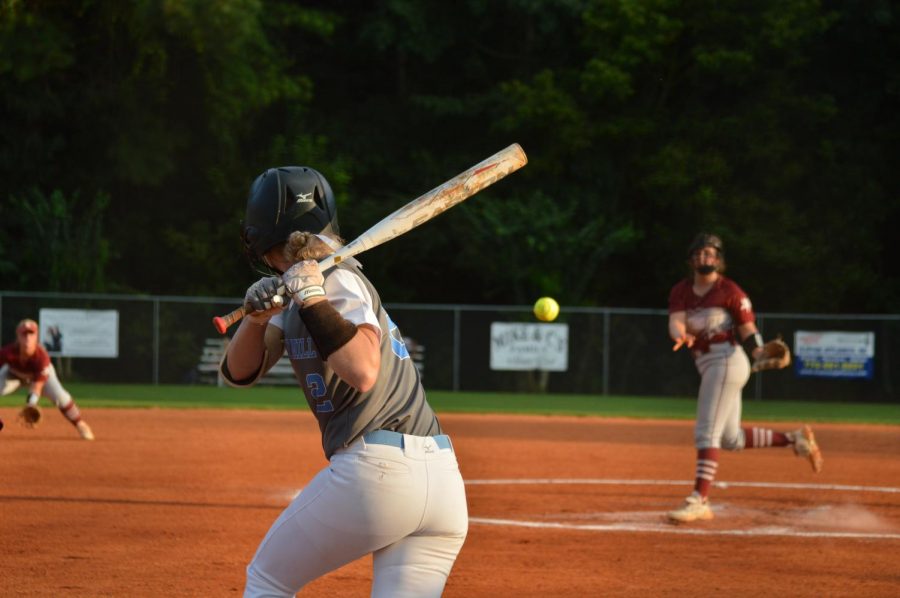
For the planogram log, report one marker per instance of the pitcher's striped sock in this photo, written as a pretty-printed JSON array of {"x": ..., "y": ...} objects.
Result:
[
  {"x": 764, "y": 437},
  {"x": 707, "y": 465}
]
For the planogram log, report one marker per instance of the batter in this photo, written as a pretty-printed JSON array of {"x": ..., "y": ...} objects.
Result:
[
  {"x": 709, "y": 314},
  {"x": 393, "y": 486},
  {"x": 25, "y": 361}
]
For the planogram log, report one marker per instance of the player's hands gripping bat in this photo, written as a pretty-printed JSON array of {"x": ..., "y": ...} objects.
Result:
[
  {"x": 418, "y": 211},
  {"x": 775, "y": 355},
  {"x": 304, "y": 280},
  {"x": 264, "y": 295},
  {"x": 261, "y": 295}
]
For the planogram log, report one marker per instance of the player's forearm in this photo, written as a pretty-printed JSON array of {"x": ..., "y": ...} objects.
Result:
[
  {"x": 750, "y": 338},
  {"x": 357, "y": 362},
  {"x": 246, "y": 350},
  {"x": 677, "y": 325},
  {"x": 746, "y": 329}
]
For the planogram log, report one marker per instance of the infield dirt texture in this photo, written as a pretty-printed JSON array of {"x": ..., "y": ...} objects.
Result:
[{"x": 175, "y": 502}]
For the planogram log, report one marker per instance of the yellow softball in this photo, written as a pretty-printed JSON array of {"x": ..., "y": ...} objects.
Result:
[{"x": 546, "y": 309}]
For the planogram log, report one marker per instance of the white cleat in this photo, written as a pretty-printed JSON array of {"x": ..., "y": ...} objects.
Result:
[
  {"x": 85, "y": 430},
  {"x": 694, "y": 508},
  {"x": 805, "y": 445}
]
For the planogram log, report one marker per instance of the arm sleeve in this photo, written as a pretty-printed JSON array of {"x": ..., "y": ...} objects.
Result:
[
  {"x": 740, "y": 307},
  {"x": 351, "y": 299}
]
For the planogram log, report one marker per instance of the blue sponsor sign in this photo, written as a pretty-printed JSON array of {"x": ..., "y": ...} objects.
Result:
[{"x": 834, "y": 354}]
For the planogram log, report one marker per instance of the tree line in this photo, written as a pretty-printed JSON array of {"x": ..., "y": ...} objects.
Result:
[{"x": 132, "y": 131}]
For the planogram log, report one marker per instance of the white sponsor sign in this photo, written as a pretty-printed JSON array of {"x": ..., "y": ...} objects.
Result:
[
  {"x": 80, "y": 332},
  {"x": 529, "y": 347},
  {"x": 834, "y": 354}
]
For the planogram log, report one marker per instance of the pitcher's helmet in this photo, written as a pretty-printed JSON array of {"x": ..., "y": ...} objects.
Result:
[
  {"x": 705, "y": 240},
  {"x": 284, "y": 200}
]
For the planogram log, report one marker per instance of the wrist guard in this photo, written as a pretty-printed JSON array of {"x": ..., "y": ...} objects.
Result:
[
  {"x": 328, "y": 329},
  {"x": 309, "y": 292},
  {"x": 752, "y": 342}
]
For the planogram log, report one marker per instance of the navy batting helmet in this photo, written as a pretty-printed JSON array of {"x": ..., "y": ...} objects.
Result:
[{"x": 284, "y": 200}]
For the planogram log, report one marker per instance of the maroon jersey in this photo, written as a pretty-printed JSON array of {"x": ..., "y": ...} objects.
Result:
[
  {"x": 28, "y": 369},
  {"x": 713, "y": 317}
]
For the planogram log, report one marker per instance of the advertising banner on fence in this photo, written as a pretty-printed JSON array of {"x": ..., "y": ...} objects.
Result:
[
  {"x": 80, "y": 332},
  {"x": 834, "y": 354},
  {"x": 529, "y": 347}
]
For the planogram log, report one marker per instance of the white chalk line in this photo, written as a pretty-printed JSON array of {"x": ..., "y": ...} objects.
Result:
[
  {"x": 667, "y": 528},
  {"x": 673, "y": 529},
  {"x": 723, "y": 485}
]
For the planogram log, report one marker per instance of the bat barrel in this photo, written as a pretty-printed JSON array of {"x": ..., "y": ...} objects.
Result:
[{"x": 420, "y": 210}]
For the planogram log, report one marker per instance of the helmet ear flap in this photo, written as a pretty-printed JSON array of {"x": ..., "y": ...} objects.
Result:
[{"x": 249, "y": 235}]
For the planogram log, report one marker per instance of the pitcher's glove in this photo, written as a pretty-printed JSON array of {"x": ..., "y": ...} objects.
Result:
[
  {"x": 30, "y": 416},
  {"x": 776, "y": 355}
]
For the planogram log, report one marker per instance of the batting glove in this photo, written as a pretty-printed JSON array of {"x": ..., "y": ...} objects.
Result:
[
  {"x": 304, "y": 281},
  {"x": 261, "y": 293}
]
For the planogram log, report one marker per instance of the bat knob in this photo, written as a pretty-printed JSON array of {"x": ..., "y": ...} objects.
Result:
[{"x": 220, "y": 324}]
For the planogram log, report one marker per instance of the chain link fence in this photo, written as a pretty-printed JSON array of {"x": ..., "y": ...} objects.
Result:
[{"x": 616, "y": 351}]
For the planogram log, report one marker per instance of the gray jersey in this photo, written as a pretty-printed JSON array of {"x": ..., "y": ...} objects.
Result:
[{"x": 396, "y": 401}]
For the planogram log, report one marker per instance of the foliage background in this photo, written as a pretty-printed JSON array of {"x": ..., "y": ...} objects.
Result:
[{"x": 132, "y": 130}]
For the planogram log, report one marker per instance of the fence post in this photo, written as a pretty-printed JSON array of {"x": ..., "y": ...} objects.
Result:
[
  {"x": 606, "y": 320},
  {"x": 757, "y": 385},
  {"x": 456, "y": 335},
  {"x": 156, "y": 341}
]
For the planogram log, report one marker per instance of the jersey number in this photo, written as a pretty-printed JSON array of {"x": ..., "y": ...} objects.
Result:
[{"x": 316, "y": 385}]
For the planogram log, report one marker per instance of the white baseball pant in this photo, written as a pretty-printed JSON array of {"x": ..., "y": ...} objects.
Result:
[
  {"x": 404, "y": 504},
  {"x": 53, "y": 388},
  {"x": 724, "y": 371}
]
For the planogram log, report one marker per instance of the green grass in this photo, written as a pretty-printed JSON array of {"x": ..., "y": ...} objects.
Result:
[
  {"x": 269, "y": 397},
  {"x": 658, "y": 407}
]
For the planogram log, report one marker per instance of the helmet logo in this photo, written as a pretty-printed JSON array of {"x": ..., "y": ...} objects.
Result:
[{"x": 305, "y": 197}]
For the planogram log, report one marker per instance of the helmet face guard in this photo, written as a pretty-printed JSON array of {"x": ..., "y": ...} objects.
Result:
[
  {"x": 700, "y": 242},
  {"x": 284, "y": 200}
]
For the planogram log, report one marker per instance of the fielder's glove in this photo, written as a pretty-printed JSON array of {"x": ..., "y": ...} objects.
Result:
[
  {"x": 775, "y": 356},
  {"x": 304, "y": 280},
  {"x": 30, "y": 416},
  {"x": 261, "y": 293}
]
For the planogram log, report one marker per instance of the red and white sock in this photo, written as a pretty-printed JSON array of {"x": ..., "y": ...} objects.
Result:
[
  {"x": 71, "y": 412},
  {"x": 764, "y": 438},
  {"x": 707, "y": 465}
]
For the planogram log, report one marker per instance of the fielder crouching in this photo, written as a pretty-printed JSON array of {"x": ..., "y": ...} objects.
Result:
[
  {"x": 25, "y": 361},
  {"x": 393, "y": 486}
]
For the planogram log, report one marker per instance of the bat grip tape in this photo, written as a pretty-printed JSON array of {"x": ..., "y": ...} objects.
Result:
[{"x": 328, "y": 328}]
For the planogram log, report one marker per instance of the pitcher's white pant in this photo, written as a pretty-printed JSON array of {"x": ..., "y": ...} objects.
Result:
[
  {"x": 406, "y": 505},
  {"x": 53, "y": 388},
  {"x": 724, "y": 371}
]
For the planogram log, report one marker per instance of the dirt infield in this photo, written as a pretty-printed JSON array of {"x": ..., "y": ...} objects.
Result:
[{"x": 174, "y": 503}]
